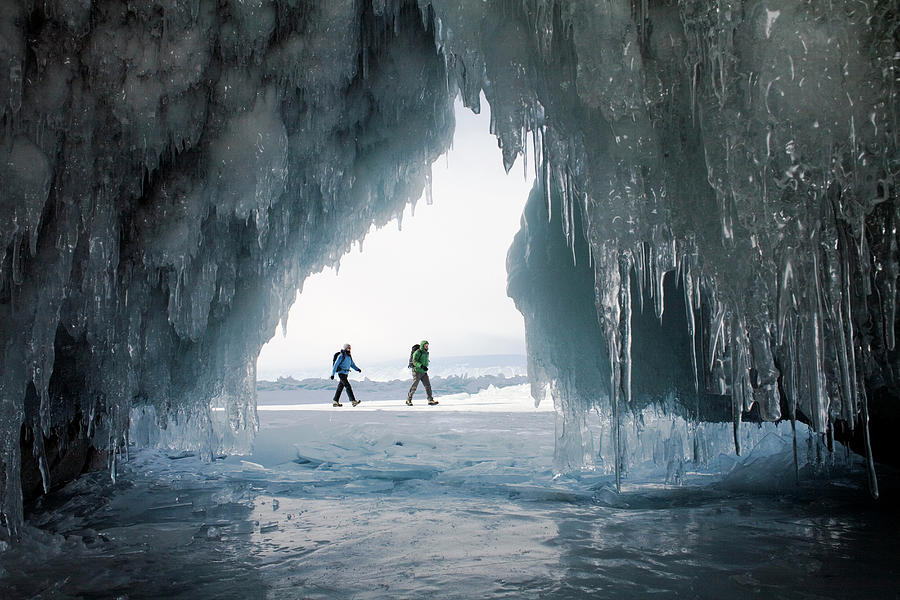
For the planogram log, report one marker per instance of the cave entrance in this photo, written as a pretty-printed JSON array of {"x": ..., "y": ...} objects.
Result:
[{"x": 438, "y": 274}]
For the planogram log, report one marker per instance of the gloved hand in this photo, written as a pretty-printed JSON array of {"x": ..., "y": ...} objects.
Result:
[
  {"x": 425, "y": 369},
  {"x": 332, "y": 376}
]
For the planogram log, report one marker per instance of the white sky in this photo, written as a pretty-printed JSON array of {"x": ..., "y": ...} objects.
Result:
[{"x": 383, "y": 299}]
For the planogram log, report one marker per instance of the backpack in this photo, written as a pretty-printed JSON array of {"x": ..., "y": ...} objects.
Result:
[
  {"x": 335, "y": 357},
  {"x": 411, "y": 352}
]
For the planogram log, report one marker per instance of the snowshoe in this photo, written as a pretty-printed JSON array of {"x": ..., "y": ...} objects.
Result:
[
  {"x": 336, "y": 403},
  {"x": 409, "y": 402},
  {"x": 432, "y": 402},
  {"x": 354, "y": 402}
]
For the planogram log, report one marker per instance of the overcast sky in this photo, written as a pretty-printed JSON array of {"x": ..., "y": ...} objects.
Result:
[{"x": 453, "y": 294}]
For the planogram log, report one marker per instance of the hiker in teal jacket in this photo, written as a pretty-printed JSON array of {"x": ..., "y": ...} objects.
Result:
[{"x": 420, "y": 373}]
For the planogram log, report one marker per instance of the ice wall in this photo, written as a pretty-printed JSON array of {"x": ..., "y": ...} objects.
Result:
[
  {"x": 750, "y": 148},
  {"x": 173, "y": 169},
  {"x": 170, "y": 172},
  {"x": 552, "y": 282}
]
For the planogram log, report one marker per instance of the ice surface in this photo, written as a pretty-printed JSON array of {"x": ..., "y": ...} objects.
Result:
[
  {"x": 172, "y": 170},
  {"x": 454, "y": 504}
]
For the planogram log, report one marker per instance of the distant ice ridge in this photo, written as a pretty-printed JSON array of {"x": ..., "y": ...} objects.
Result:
[
  {"x": 452, "y": 366},
  {"x": 458, "y": 370},
  {"x": 174, "y": 169}
]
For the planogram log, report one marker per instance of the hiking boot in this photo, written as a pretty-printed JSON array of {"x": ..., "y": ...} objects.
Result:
[
  {"x": 432, "y": 402},
  {"x": 336, "y": 403},
  {"x": 409, "y": 402},
  {"x": 354, "y": 402}
]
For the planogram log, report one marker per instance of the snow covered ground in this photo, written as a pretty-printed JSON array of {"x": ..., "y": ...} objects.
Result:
[
  {"x": 454, "y": 501},
  {"x": 492, "y": 399}
]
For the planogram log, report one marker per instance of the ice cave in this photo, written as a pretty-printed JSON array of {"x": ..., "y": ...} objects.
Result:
[{"x": 714, "y": 222}]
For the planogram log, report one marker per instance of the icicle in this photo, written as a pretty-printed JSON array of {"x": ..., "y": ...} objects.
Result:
[
  {"x": 854, "y": 383},
  {"x": 565, "y": 208},
  {"x": 891, "y": 272},
  {"x": 18, "y": 261},
  {"x": 625, "y": 295},
  {"x": 283, "y": 322},
  {"x": 547, "y": 191},
  {"x": 870, "y": 462},
  {"x": 847, "y": 392},
  {"x": 614, "y": 375},
  {"x": 688, "y": 284},
  {"x": 429, "y": 198},
  {"x": 660, "y": 271},
  {"x": 45, "y": 476},
  {"x": 791, "y": 377},
  {"x": 524, "y": 156},
  {"x": 41, "y": 455},
  {"x": 817, "y": 369},
  {"x": 717, "y": 334},
  {"x": 91, "y": 417},
  {"x": 865, "y": 259},
  {"x": 829, "y": 440},
  {"x": 794, "y": 444},
  {"x": 785, "y": 300},
  {"x": 736, "y": 416},
  {"x": 694, "y": 92},
  {"x": 737, "y": 383},
  {"x": 651, "y": 273},
  {"x": 570, "y": 199},
  {"x": 640, "y": 263}
]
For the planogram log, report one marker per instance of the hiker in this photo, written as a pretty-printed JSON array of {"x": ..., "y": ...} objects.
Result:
[
  {"x": 418, "y": 362},
  {"x": 343, "y": 362}
]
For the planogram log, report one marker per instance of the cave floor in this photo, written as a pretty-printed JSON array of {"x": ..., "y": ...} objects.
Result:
[{"x": 444, "y": 502}]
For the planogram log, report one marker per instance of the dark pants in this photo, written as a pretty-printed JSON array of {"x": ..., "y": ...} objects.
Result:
[
  {"x": 417, "y": 377},
  {"x": 344, "y": 383}
]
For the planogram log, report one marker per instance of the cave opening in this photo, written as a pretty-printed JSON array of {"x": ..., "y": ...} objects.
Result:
[{"x": 437, "y": 272}]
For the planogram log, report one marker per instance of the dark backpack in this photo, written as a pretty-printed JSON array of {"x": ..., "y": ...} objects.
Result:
[
  {"x": 335, "y": 357},
  {"x": 411, "y": 352}
]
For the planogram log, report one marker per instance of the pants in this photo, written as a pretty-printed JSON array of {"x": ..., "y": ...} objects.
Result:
[
  {"x": 344, "y": 383},
  {"x": 417, "y": 377}
]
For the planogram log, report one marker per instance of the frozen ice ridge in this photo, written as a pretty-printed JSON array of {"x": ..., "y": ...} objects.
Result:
[{"x": 172, "y": 170}]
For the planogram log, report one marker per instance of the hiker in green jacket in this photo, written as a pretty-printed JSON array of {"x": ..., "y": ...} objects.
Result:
[{"x": 419, "y": 365}]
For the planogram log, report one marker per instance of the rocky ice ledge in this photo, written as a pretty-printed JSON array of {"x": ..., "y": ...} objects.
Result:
[{"x": 173, "y": 170}]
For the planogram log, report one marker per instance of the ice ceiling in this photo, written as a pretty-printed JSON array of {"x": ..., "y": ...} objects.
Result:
[{"x": 172, "y": 170}]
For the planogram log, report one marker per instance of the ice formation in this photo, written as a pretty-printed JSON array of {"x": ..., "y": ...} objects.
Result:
[
  {"x": 172, "y": 170},
  {"x": 748, "y": 148},
  {"x": 171, "y": 173}
]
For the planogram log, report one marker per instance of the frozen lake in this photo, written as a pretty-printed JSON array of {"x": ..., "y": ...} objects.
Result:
[{"x": 454, "y": 501}]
